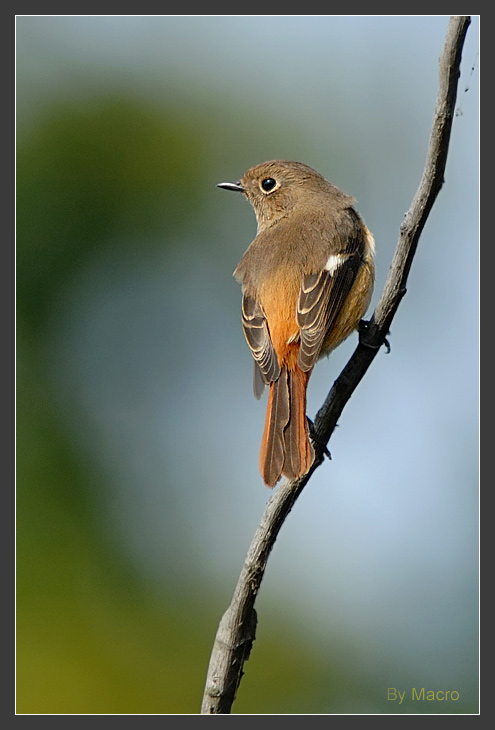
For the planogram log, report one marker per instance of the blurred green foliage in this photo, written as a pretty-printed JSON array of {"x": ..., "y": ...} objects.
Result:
[
  {"x": 91, "y": 173},
  {"x": 87, "y": 175}
]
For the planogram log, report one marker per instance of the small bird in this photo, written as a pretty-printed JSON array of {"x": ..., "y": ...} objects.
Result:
[{"x": 307, "y": 280}]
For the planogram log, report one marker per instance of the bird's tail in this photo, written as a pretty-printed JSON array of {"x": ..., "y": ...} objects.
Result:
[{"x": 285, "y": 447}]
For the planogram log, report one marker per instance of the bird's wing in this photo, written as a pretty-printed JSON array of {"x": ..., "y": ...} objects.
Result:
[
  {"x": 266, "y": 367},
  {"x": 321, "y": 299}
]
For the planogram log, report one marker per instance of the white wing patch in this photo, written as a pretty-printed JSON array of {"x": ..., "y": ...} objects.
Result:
[{"x": 334, "y": 261}]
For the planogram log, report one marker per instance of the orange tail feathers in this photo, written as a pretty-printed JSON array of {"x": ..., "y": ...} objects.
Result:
[{"x": 285, "y": 447}]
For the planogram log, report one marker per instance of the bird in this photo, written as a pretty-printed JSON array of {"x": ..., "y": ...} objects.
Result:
[{"x": 307, "y": 280}]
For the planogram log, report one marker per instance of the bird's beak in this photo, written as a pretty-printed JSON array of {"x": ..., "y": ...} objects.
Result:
[{"x": 232, "y": 186}]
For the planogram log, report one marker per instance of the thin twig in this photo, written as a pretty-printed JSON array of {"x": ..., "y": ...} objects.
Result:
[{"x": 237, "y": 629}]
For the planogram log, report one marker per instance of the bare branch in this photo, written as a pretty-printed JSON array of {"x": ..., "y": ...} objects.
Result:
[{"x": 236, "y": 632}]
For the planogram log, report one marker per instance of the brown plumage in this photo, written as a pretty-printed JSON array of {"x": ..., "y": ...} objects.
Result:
[{"x": 307, "y": 280}]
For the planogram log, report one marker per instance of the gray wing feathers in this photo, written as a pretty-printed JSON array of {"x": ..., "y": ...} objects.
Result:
[
  {"x": 320, "y": 301},
  {"x": 266, "y": 367}
]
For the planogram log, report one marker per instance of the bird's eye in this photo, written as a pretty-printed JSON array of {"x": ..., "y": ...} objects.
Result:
[{"x": 268, "y": 184}]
